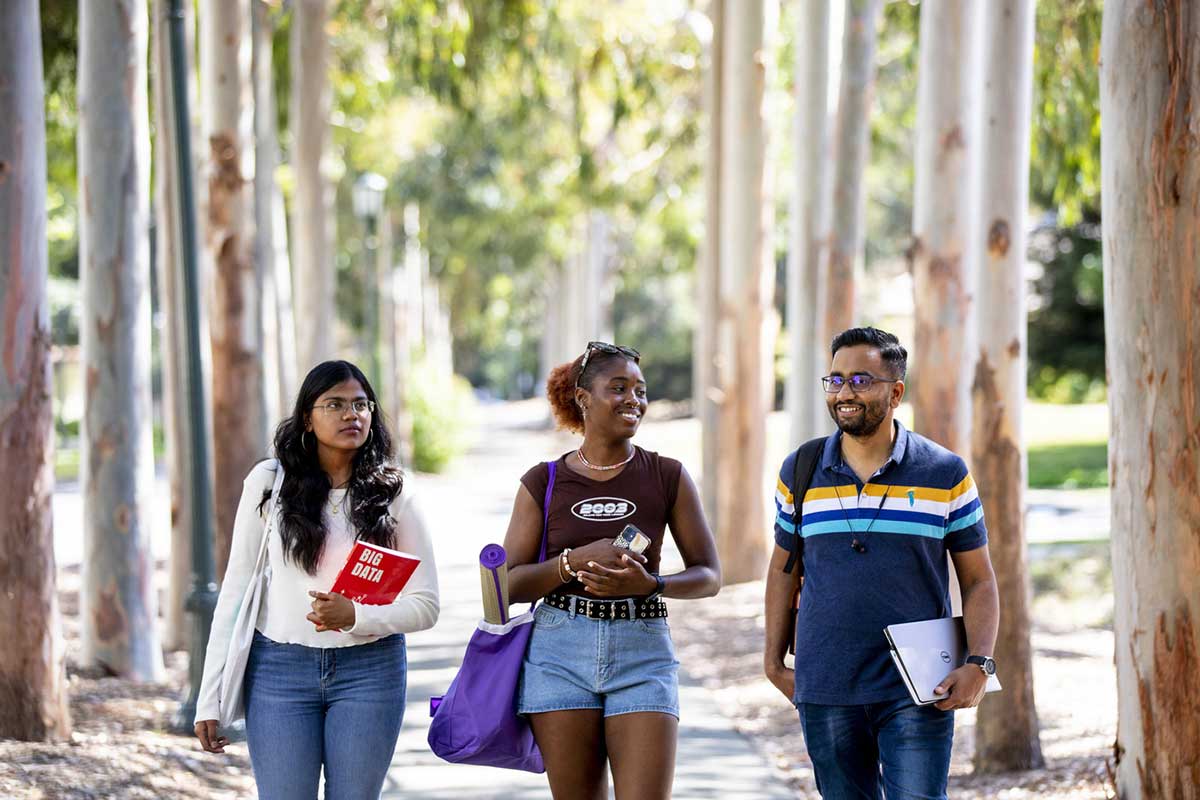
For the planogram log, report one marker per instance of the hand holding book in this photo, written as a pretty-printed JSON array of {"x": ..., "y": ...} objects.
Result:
[
  {"x": 331, "y": 612},
  {"x": 372, "y": 575}
]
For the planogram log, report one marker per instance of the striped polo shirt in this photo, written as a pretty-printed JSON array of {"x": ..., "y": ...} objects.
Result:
[{"x": 872, "y": 555}]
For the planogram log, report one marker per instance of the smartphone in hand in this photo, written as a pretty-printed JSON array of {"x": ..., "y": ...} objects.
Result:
[{"x": 632, "y": 539}]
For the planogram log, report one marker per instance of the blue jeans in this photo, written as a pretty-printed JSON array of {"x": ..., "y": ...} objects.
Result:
[
  {"x": 339, "y": 708},
  {"x": 895, "y": 746}
]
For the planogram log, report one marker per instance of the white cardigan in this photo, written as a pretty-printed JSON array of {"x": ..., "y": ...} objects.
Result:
[{"x": 282, "y": 616}]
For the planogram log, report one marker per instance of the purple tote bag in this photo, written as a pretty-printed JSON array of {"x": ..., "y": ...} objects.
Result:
[{"x": 477, "y": 721}]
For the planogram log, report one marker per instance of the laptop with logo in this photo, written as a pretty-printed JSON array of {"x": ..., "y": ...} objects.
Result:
[{"x": 927, "y": 651}]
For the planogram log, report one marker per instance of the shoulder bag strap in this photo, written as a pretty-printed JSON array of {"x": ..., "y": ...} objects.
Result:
[
  {"x": 808, "y": 455},
  {"x": 552, "y": 465},
  {"x": 272, "y": 505}
]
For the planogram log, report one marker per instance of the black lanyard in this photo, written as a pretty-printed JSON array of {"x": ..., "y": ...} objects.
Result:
[{"x": 855, "y": 544}]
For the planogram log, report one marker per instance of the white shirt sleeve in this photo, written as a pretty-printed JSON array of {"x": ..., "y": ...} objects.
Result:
[
  {"x": 248, "y": 529},
  {"x": 416, "y": 607}
]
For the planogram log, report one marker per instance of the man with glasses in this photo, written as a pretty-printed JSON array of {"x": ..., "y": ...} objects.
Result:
[{"x": 869, "y": 535}]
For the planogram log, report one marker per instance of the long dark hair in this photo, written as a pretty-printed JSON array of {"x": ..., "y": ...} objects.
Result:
[{"x": 375, "y": 479}]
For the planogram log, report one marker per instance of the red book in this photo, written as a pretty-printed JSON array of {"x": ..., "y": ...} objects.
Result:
[{"x": 374, "y": 575}]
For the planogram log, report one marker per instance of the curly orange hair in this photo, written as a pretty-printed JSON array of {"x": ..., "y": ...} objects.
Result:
[
  {"x": 560, "y": 391},
  {"x": 560, "y": 387}
]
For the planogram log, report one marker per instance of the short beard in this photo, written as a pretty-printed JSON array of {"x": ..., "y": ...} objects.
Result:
[{"x": 865, "y": 426}]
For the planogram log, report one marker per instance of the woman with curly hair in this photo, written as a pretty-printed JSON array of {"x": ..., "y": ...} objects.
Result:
[
  {"x": 599, "y": 681},
  {"x": 325, "y": 681}
]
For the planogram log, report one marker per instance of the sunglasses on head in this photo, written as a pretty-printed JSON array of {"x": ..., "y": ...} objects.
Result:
[{"x": 610, "y": 349}]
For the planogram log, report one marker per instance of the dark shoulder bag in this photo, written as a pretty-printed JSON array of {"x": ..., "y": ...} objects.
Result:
[{"x": 808, "y": 455}]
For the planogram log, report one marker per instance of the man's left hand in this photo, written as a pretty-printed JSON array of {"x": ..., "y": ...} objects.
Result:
[
  {"x": 965, "y": 687},
  {"x": 331, "y": 612}
]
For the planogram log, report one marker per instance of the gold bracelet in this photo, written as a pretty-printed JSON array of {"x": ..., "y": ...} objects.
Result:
[{"x": 562, "y": 578}]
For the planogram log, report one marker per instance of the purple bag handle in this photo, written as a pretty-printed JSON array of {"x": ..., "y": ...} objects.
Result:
[{"x": 552, "y": 465}]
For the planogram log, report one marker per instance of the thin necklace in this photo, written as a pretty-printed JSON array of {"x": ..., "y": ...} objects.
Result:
[
  {"x": 336, "y": 507},
  {"x": 589, "y": 465}
]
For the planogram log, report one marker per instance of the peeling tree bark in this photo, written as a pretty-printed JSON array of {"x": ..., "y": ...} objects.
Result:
[
  {"x": 118, "y": 604},
  {"x": 705, "y": 392},
  {"x": 33, "y": 688},
  {"x": 852, "y": 138},
  {"x": 271, "y": 252},
  {"x": 746, "y": 280},
  {"x": 809, "y": 219},
  {"x": 943, "y": 216},
  {"x": 1006, "y": 728},
  {"x": 236, "y": 324},
  {"x": 313, "y": 212},
  {"x": 1150, "y": 159}
]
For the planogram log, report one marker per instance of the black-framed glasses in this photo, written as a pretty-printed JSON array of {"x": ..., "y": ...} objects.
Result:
[
  {"x": 858, "y": 382},
  {"x": 338, "y": 406},
  {"x": 605, "y": 347}
]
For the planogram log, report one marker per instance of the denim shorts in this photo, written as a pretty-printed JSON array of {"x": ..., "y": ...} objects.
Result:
[{"x": 618, "y": 666}]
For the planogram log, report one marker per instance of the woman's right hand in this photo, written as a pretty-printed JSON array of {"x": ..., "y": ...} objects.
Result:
[
  {"x": 602, "y": 552},
  {"x": 206, "y": 732}
]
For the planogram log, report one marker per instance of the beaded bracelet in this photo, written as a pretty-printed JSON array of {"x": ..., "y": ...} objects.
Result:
[{"x": 565, "y": 564}]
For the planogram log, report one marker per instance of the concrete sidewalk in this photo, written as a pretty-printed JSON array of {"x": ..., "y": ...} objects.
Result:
[{"x": 466, "y": 509}]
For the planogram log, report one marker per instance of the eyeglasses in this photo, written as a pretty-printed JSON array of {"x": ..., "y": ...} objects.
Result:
[
  {"x": 859, "y": 382},
  {"x": 335, "y": 407},
  {"x": 605, "y": 347}
]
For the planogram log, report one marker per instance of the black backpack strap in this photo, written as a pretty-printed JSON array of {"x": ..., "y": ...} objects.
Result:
[{"x": 808, "y": 455}]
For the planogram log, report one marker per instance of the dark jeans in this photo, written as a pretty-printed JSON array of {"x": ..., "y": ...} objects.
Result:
[
  {"x": 894, "y": 749},
  {"x": 338, "y": 708}
]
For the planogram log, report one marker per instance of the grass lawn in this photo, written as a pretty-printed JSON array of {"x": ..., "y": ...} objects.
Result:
[{"x": 1068, "y": 445}]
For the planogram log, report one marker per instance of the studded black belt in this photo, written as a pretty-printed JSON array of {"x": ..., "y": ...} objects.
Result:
[{"x": 608, "y": 609}]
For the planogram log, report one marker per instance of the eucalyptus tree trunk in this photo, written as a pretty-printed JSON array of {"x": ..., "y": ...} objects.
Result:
[
  {"x": 704, "y": 338},
  {"x": 1150, "y": 170},
  {"x": 313, "y": 213},
  {"x": 944, "y": 212},
  {"x": 809, "y": 215},
  {"x": 33, "y": 687},
  {"x": 1006, "y": 728},
  {"x": 745, "y": 284},
  {"x": 118, "y": 605},
  {"x": 271, "y": 250},
  {"x": 176, "y": 420},
  {"x": 852, "y": 137},
  {"x": 236, "y": 323},
  {"x": 598, "y": 280}
]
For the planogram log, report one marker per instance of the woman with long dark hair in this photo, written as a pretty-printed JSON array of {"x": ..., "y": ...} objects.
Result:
[
  {"x": 325, "y": 681},
  {"x": 599, "y": 681}
]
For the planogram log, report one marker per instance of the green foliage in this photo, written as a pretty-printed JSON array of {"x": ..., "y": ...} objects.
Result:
[
  {"x": 507, "y": 120},
  {"x": 581, "y": 107},
  {"x": 442, "y": 409},
  {"x": 1066, "y": 319},
  {"x": 60, "y": 35},
  {"x": 1064, "y": 172},
  {"x": 890, "y": 175}
]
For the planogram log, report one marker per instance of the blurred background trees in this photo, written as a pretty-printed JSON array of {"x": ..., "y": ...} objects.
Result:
[{"x": 507, "y": 123}]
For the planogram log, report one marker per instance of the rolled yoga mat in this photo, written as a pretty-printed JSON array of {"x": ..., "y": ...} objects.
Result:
[{"x": 493, "y": 580}]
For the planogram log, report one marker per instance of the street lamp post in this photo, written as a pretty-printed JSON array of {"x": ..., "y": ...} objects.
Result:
[
  {"x": 202, "y": 598},
  {"x": 367, "y": 199}
]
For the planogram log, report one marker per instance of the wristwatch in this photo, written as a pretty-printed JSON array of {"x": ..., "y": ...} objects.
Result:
[
  {"x": 986, "y": 664},
  {"x": 660, "y": 586}
]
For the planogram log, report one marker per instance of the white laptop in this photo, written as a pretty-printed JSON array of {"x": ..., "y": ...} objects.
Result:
[{"x": 927, "y": 651}]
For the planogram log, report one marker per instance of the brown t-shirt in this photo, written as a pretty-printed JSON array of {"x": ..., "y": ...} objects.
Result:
[{"x": 583, "y": 510}]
